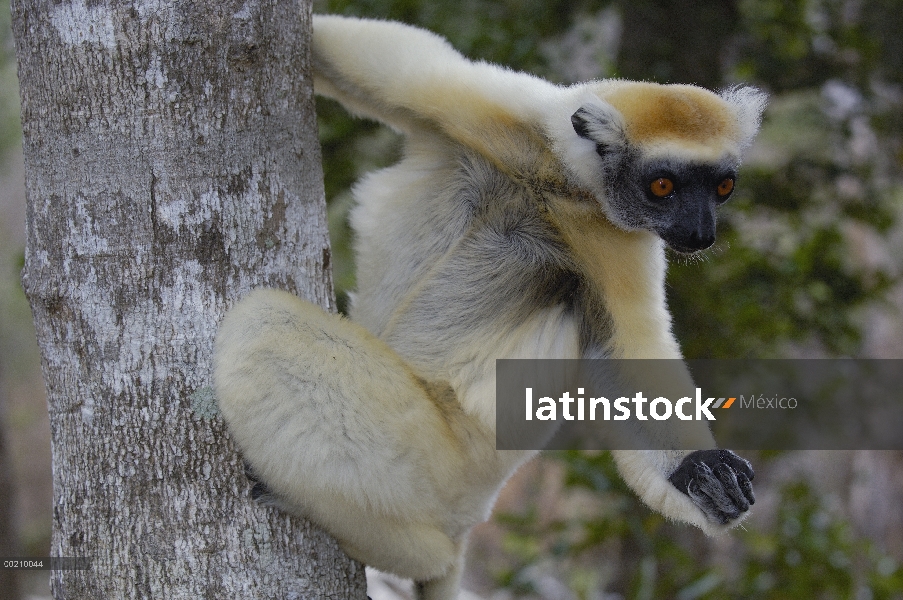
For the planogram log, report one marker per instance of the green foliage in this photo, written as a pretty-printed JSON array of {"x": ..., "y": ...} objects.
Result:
[
  {"x": 809, "y": 552},
  {"x": 813, "y": 554},
  {"x": 682, "y": 41},
  {"x": 481, "y": 29},
  {"x": 9, "y": 85}
]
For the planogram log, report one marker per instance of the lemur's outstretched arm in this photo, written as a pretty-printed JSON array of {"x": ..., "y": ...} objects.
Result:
[{"x": 413, "y": 80}]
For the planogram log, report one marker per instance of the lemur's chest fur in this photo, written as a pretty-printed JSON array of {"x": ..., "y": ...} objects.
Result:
[{"x": 424, "y": 223}]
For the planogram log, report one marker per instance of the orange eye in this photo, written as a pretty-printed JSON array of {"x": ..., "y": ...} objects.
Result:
[
  {"x": 661, "y": 187},
  {"x": 726, "y": 187}
]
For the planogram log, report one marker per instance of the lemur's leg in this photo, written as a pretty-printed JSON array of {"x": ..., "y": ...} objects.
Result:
[
  {"x": 413, "y": 550},
  {"x": 342, "y": 431}
]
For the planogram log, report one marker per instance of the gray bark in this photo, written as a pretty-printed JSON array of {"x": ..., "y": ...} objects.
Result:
[{"x": 171, "y": 166}]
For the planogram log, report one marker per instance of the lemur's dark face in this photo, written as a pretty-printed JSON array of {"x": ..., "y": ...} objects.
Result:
[
  {"x": 671, "y": 194},
  {"x": 676, "y": 200}
]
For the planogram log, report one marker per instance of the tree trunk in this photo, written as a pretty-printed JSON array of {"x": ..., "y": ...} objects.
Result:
[{"x": 172, "y": 165}]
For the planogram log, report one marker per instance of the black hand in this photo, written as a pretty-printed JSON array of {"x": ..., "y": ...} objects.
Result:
[{"x": 718, "y": 482}]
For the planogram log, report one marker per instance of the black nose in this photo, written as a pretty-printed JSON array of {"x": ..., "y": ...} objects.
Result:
[
  {"x": 699, "y": 240},
  {"x": 689, "y": 241}
]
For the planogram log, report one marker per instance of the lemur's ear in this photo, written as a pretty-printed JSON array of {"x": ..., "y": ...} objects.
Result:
[
  {"x": 749, "y": 102},
  {"x": 601, "y": 124}
]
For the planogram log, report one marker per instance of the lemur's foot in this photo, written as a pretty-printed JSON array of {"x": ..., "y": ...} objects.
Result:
[{"x": 259, "y": 491}]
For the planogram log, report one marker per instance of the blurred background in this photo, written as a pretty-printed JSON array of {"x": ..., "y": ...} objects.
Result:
[{"x": 809, "y": 263}]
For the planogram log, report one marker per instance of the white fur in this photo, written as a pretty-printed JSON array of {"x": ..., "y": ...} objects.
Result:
[{"x": 382, "y": 430}]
